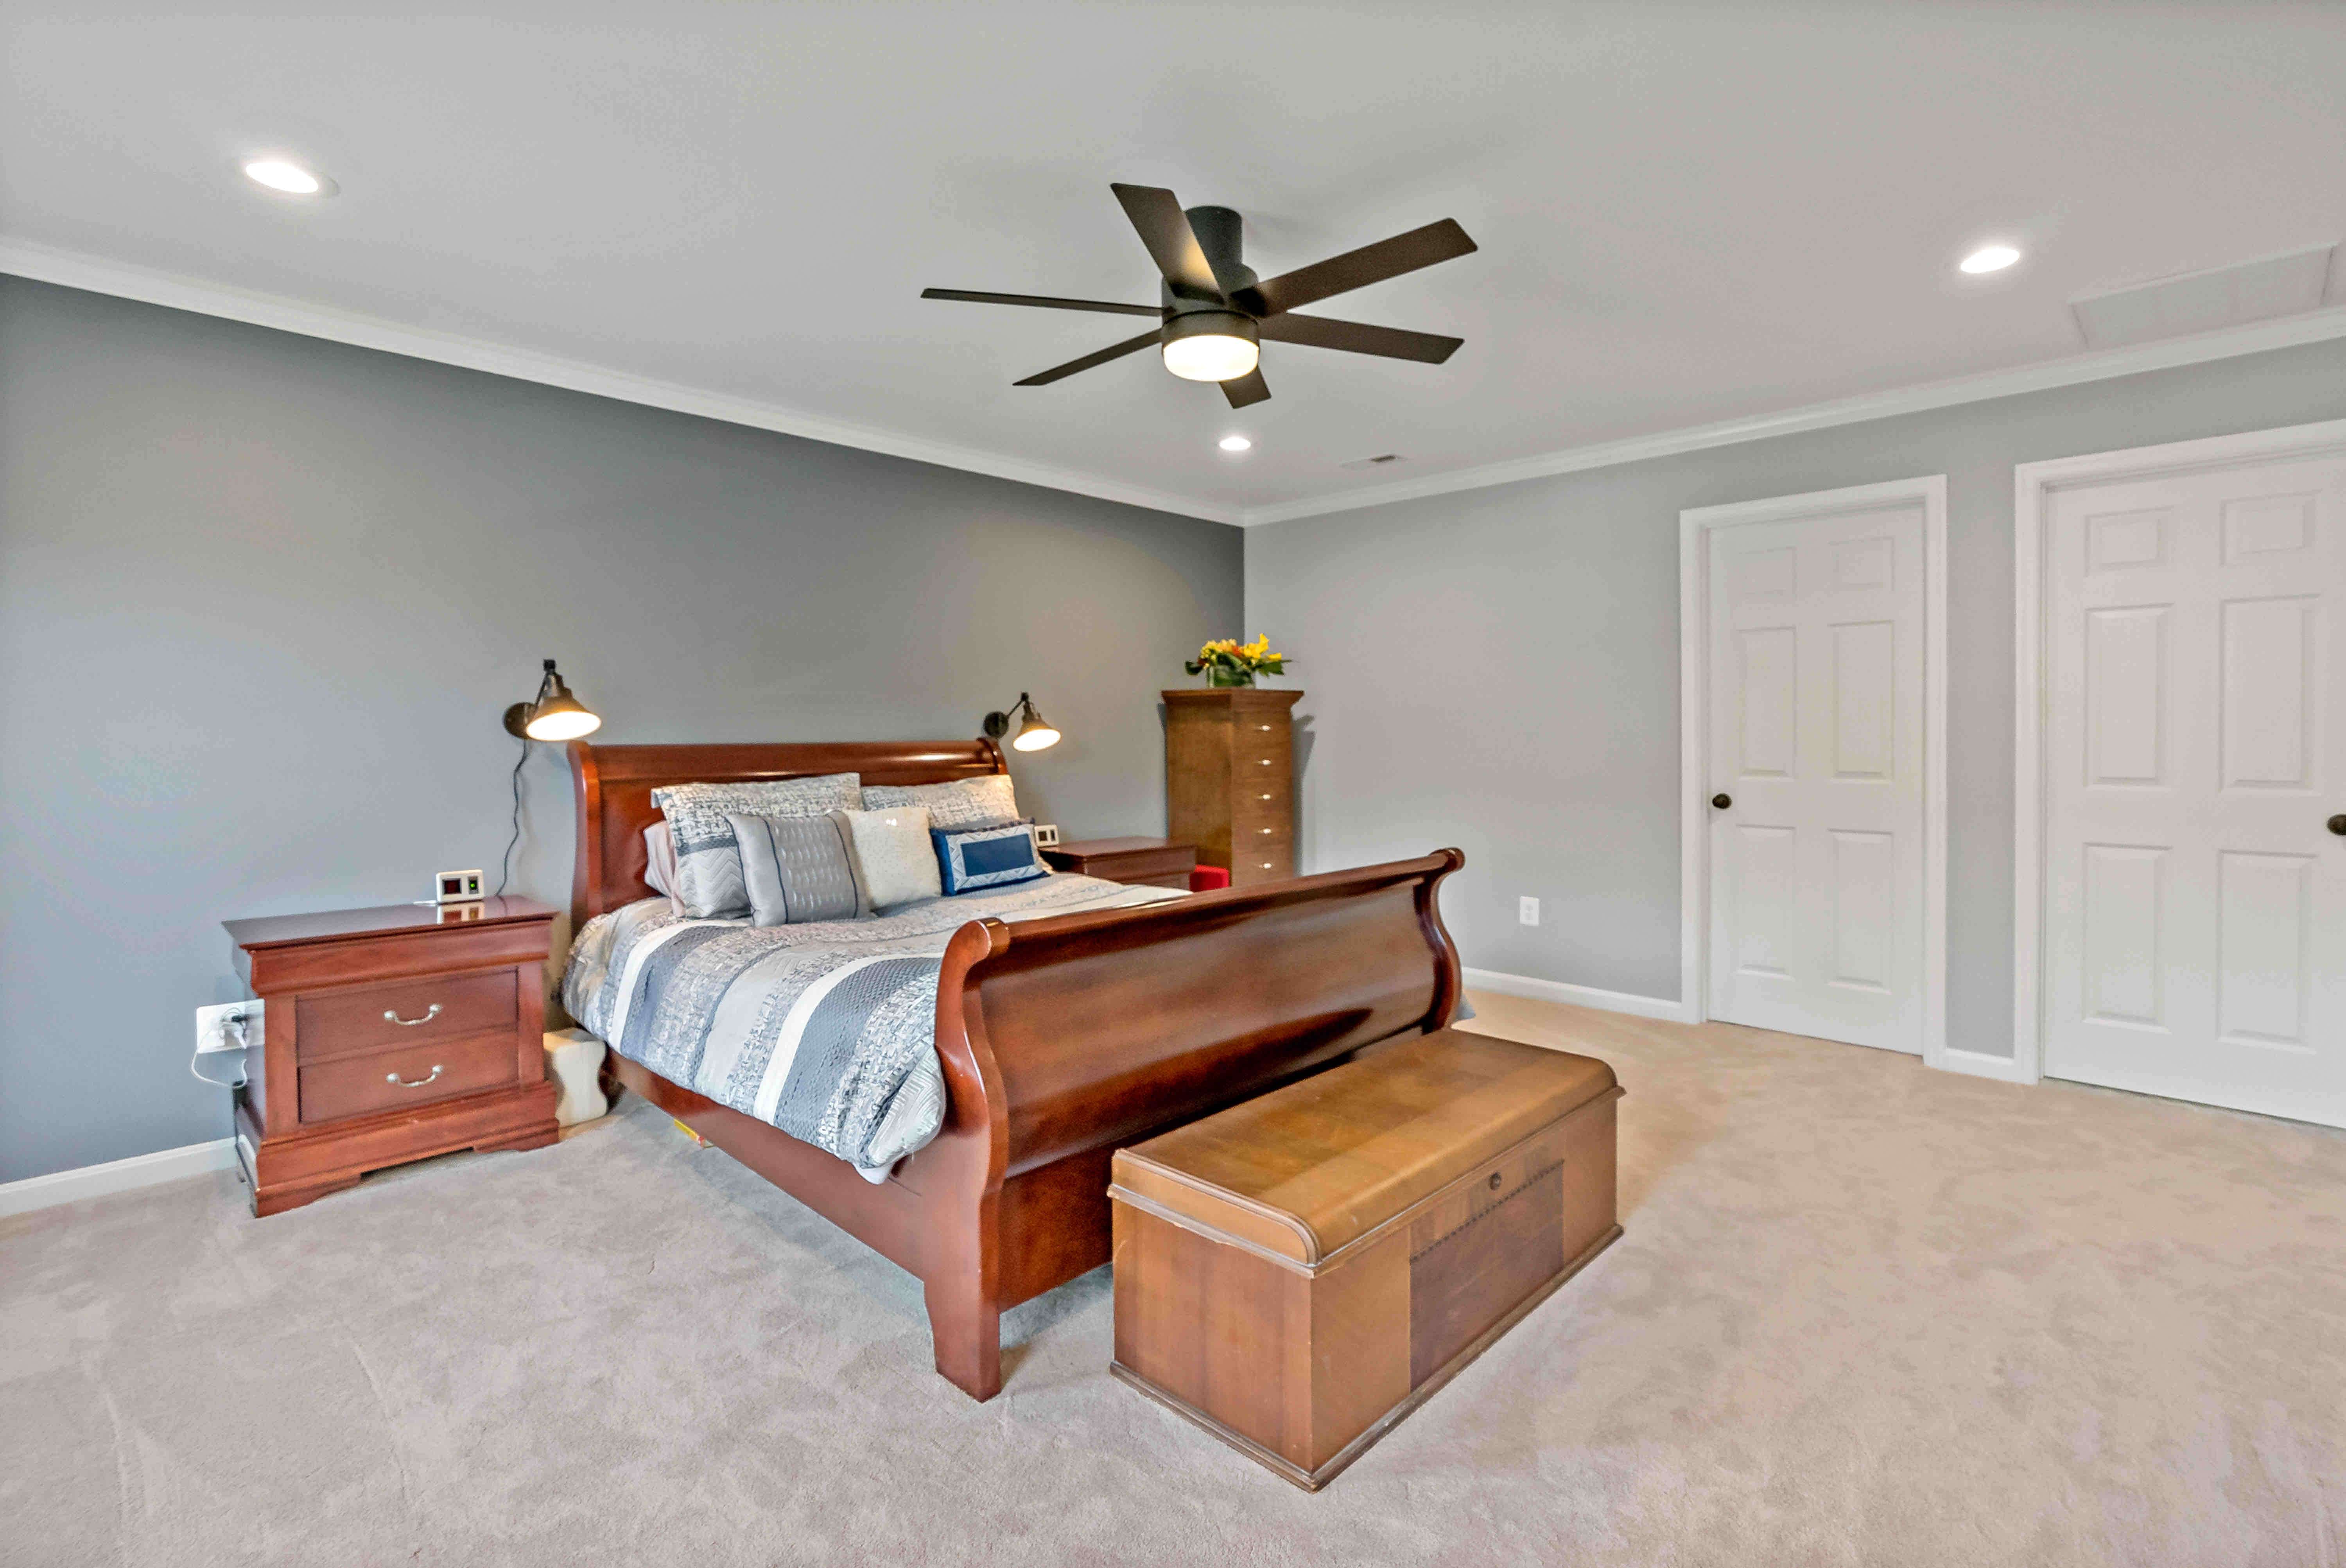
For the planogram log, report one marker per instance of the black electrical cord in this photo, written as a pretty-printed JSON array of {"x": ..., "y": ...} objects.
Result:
[{"x": 504, "y": 873}]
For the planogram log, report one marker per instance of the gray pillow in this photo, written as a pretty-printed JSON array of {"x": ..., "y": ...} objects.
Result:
[
  {"x": 796, "y": 869},
  {"x": 709, "y": 884},
  {"x": 986, "y": 800}
]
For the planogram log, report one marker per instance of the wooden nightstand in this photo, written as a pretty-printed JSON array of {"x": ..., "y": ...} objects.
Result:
[
  {"x": 1152, "y": 862},
  {"x": 394, "y": 1034}
]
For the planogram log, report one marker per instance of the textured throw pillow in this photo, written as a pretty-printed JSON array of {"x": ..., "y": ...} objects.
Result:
[
  {"x": 893, "y": 862},
  {"x": 977, "y": 859},
  {"x": 709, "y": 884},
  {"x": 796, "y": 869},
  {"x": 964, "y": 803}
]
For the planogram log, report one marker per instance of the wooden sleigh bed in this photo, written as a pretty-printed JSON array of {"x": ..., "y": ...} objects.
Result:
[{"x": 1062, "y": 1039}]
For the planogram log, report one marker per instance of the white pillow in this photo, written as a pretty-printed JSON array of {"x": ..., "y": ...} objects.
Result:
[{"x": 893, "y": 860}]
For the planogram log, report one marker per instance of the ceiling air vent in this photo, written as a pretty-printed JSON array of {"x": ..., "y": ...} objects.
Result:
[
  {"x": 1382, "y": 460},
  {"x": 2203, "y": 301}
]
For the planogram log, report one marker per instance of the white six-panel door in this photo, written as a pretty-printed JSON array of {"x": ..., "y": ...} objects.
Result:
[
  {"x": 1813, "y": 774},
  {"x": 2194, "y": 749}
]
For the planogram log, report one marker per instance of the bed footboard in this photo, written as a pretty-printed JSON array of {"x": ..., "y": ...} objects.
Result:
[{"x": 1065, "y": 1039}]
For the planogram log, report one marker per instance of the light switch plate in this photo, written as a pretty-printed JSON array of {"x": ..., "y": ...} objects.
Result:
[{"x": 212, "y": 1033}]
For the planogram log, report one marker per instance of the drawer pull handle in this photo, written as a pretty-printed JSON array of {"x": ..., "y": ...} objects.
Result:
[
  {"x": 1494, "y": 1181},
  {"x": 392, "y": 1016},
  {"x": 1266, "y": 762},
  {"x": 1266, "y": 797},
  {"x": 1264, "y": 728},
  {"x": 1266, "y": 865},
  {"x": 418, "y": 1084},
  {"x": 1270, "y": 830}
]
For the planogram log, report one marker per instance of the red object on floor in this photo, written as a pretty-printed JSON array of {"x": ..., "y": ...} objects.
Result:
[{"x": 1205, "y": 879}]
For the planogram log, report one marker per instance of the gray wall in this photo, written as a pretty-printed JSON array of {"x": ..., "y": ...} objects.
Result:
[
  {"x": 263, "y": 599},
  {"x": 1499, "y": 670}
]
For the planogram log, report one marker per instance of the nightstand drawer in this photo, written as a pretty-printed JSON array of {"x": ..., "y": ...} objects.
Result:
[
  {"x": 413, "y": 1075},
  {"x": 412, "y": 1013}
]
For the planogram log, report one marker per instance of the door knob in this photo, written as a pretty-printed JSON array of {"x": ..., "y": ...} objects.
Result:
[
  {"x": 1722, "y": 801},
  {"x": 2338, "y": 824}
]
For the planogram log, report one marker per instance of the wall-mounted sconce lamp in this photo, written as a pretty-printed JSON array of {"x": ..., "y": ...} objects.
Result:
[
  {"x": 1034, "y": 735},
  {"x": 554, "y": 715}
]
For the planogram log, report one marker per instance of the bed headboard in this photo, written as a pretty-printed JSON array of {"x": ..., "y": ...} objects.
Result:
[{"x": 615, "y": 784}]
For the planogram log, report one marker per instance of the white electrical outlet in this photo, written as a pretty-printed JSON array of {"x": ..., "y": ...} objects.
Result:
[
  {"x": 1047, "y": 835},
  {"x": 1527, "y": 911},
  {"x": 212, "y": 1033}
]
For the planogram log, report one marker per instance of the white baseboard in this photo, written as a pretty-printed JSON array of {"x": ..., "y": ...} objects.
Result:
[
  {"x": 1979, "y": 1064},
  {"x": 116, "y": 1176},
  {"x": 1578, "y": 995}
]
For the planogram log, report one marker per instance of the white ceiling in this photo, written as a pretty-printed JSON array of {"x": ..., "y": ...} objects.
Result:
[{"x": 1687, "y": 214}]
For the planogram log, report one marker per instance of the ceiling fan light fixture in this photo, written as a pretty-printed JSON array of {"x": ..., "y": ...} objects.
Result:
[{"x": 1211, "y": 346}]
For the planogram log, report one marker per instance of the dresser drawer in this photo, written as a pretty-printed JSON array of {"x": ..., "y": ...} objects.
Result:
[
  {"x": 411, "y": 1012},
  {"x": 1250, "y": 866},
  {"x": 1260, "y": 837},
  {"x": 1255, "y": 773},
  {"x": 413, "y": 1074},
  {"x": 1258, "y": 797}
]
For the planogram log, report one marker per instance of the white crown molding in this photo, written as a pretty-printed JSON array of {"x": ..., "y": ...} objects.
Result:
[
  {"x": 76, "y": 270},
  {"x": 2313, "y": 327},
  {"x": 47, "y": 265}
]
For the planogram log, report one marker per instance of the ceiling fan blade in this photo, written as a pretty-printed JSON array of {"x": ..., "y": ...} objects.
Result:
[
  {"x": 1246, "y": 389},
  {"x": 1113, "y": 351},
  {"x": 1172, "y": 243},
  {"x": 1358, "y": 338},
  {"x": 1043, "y": 301},
  {"x": 1440, "y": 241}
]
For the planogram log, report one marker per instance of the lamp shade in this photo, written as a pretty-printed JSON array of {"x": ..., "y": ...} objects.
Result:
[
  {"x": 1035, "y": 733},
  {"x": 557, "y": 715}
]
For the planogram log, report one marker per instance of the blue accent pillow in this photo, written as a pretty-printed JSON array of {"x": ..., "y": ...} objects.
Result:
[{"x": 974, "y": 860}]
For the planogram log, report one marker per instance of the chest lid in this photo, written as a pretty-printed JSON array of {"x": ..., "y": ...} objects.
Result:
[{"x": 1304, "y": 1170}]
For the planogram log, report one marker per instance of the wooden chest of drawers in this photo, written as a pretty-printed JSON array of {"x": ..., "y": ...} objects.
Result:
[
  {"x": 1298, "y": 1272},
  {"x": 1230, "y": 779},
  {"x": 391, "y": 1034}
]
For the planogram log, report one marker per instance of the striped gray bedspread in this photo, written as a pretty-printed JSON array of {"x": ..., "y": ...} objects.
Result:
[{"x": 827, "y": 1030}]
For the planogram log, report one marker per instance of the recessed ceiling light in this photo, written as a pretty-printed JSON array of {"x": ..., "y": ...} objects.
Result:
[
  {"x": 1989, "y": 258},
  {"x": 1235, "y": 443},
  {"x": 281, "y": 174}
]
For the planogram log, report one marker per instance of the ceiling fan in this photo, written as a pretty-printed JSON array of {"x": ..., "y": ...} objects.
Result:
[{"x": 1214, "y": 314}]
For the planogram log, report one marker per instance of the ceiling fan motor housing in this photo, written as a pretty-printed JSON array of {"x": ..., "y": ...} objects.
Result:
[{"x": 1218, "y": 230}]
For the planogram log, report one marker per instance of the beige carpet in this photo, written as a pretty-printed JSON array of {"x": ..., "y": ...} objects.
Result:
[{"x": 1864, "y": 1313}]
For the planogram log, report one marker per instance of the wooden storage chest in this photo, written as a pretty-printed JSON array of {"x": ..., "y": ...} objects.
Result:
[{"x": 1301, "y": 1271}]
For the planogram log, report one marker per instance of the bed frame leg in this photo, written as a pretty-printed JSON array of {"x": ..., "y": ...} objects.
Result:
[{"x": 966, "y": 1327}]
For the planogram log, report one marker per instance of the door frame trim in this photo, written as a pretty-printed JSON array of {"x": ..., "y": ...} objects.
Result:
[
  {"x": 2034, "y": 485},
  {"x": 1695, "y": 527}
]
